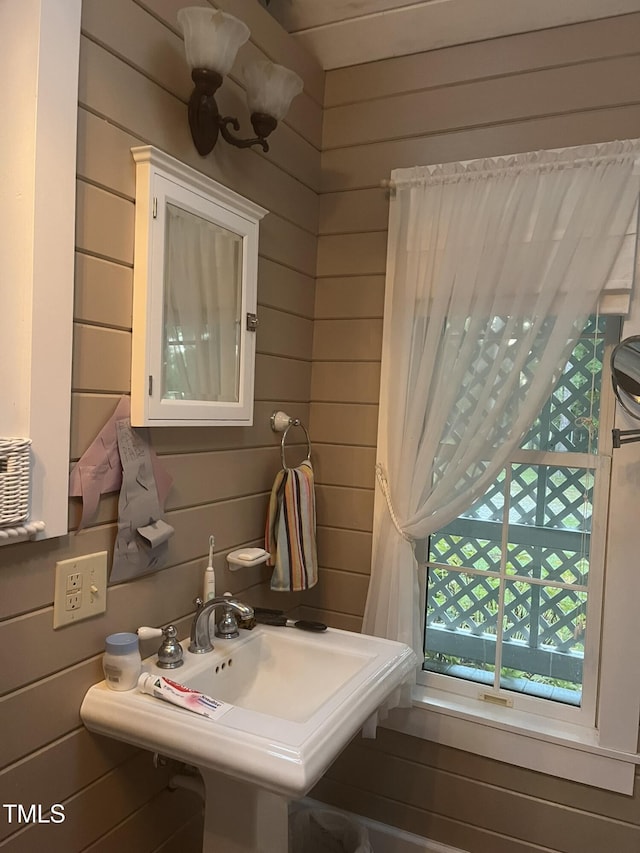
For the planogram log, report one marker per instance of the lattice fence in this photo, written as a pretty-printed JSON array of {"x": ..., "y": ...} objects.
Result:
[{"x": 549, "y": 518}]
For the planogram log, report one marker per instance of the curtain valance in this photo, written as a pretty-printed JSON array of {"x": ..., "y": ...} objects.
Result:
[{"x": 616, "y": 292}]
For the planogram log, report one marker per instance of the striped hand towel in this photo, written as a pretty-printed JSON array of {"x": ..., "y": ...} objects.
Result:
[{"x": 290, "y": 535}]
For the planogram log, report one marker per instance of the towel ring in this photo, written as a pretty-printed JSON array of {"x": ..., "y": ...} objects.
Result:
[{"x": 281, "y": 422}]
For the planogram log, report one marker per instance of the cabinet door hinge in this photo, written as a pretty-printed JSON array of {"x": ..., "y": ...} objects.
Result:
[{"x": 151, "y": 386}]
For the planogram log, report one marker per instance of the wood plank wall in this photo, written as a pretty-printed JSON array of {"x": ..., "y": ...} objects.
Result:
[
  {"x": 559, "y": 87},
  {"x": 134, "y": 85}
]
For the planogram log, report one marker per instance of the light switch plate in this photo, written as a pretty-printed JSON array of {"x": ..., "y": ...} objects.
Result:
[{"x": 80, "y": 588}]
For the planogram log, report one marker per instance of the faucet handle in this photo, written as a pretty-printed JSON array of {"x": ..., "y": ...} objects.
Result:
[
  {"x": 227, "y": 627},
  {"x": 149, "y": 633},
  {"x": 170, "y": 653}
]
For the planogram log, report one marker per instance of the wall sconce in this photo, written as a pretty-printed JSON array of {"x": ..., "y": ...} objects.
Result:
[{"x": 212, "y": 39}]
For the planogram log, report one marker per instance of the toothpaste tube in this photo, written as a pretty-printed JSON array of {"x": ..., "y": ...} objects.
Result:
[{"x": 184, "y": 697}]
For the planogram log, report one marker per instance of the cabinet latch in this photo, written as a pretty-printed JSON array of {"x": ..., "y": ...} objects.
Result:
[{"x": 252, "y": 322}]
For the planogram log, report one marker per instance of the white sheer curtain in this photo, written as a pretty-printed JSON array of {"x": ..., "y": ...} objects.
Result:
[
  {"x": 202, "y": 310},
  {"x": 490, "y": 263}
]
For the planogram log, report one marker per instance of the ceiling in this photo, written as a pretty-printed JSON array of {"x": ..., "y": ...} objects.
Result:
[{"x": 348, "y": 32}]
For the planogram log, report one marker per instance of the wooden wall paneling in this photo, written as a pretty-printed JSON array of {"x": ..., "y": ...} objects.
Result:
[
  {"x": 523, "y": 818},
  {"x": 165, "y": 816},
  {"x": 282, "y": 379},
  {"x": 346, "y": 507},
  {"x": 354, "y": 210},
  {"x": 347, "y": 382},
  {"x": 451, "y": 832},
  {"x": 497, "y": 100},
  {"x": 141, "y": 40},
  {"x": 103, "y": 292},
  {"x": 26, "y": 574},
  {"x": 104, "y": 154},
  {"x": 187, "y": 839},
  {"x": 344, "y": 423},
  {"x": 509, "y": 777},
  {"x": 332, "y": 618},
  {"x": 352, "y": 254},
  {"x": 96, "y": 809},
  {"x": 104, "y": 224},
  {"x": 285, "y": 242},
  {"x": 197, "y": 439},
  {"x": 105, "y": 516},
  {"x": 234, "y": 522},
  {"x": 101, "y": 359},
  {"x": 348, "y": 588},
  {"x": 560, "y": 46},
  {"x": 367, "y": 165},
  {"x": 308, "y": 14},
  {"x": 56, "y": 773},
  {"x": 342, "y": 465},
  {"x": 352, "y": 339},
  {"x": 202, "y": 478},
  {"x": 24, "y": 725},
  {"x": 286, "y": 289},
  {"x": 284, "y": 334},
  {"x": 349, "y": 296},
  {"x": 126, "y": 29},
  {"x": 345, "y": 549},
  {"x": 89, "y": 413}
]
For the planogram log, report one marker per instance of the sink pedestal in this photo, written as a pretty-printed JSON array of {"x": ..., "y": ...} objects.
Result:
[{"x": 243, "y": 818}]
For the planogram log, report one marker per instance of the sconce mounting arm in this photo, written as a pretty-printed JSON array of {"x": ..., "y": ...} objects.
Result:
[
  {"x": 206, "y": 122},
  {"x": 233, "y": 140}
]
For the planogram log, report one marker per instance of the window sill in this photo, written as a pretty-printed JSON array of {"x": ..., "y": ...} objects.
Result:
[{"x": 515, "y": 737}]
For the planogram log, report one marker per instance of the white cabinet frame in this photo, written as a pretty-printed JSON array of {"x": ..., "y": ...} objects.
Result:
[{"x": 162, "y": 180}]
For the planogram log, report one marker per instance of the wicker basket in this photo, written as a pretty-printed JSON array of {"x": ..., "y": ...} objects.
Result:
[{"x": 15, "y": 479}]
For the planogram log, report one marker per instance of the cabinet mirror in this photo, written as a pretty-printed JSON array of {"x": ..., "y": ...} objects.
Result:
[{"x": 195, "y": 270}]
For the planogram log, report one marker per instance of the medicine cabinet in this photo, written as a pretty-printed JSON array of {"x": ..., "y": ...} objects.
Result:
[{"x": 194, "y": 300}]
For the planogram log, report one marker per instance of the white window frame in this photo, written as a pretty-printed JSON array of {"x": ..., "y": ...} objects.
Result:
[
  {"x": 602, "y": 753},
  {"x": 600, "y": 463}
]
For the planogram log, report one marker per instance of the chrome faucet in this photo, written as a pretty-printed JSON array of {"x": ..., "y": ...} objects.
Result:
[{"x": 227, "y": 627}]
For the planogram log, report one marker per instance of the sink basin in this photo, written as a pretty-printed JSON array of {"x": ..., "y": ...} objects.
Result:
[
  {"x": 284, "y": 676},
  {"x": 296, "y": 700}
]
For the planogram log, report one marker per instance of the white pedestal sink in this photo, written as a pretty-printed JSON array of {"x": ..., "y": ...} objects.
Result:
[{"x": 296, "y": 700}]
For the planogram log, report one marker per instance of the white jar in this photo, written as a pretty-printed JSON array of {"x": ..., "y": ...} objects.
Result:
[{"x": 121, "y": 663}]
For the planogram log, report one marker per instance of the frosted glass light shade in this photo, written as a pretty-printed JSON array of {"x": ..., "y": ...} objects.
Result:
[
  {"x": 270, "y": 88},
  {"x": 211, "y": 38}
]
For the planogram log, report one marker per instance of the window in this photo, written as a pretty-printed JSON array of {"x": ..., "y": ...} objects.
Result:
[
  {"x": 512, "y": 594},
  {"x": 531, "y": 657},
  {"x": 557, "y": 698}
]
